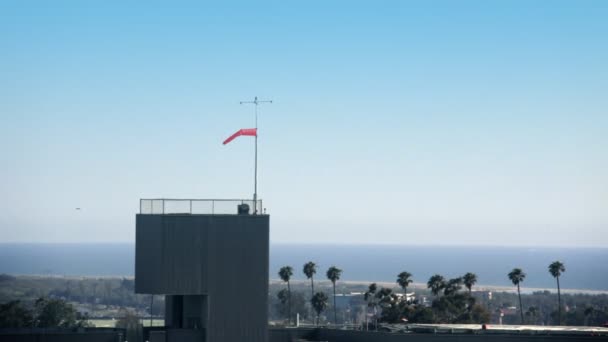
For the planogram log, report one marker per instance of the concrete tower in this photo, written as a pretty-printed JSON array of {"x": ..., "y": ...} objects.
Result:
[{"x": 211, "y": 263}]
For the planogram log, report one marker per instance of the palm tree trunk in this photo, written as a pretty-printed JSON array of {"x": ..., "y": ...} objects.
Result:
[
  {"x": 335, "y": 312},
  {"x": 521, "y": 308},
  {"x": 366, "y": 314},
  {"x": 375, "y": 317},
  {"x": 288, "y": 303},
  {"x": 312, "y": 294},
  {"x": 559, "y": 303}
]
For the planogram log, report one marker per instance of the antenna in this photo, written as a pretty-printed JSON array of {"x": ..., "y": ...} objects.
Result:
[{"x": 256, "y": 102}]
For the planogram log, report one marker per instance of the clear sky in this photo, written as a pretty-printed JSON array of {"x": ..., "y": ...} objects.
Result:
[{"x": 431, "y": 122}]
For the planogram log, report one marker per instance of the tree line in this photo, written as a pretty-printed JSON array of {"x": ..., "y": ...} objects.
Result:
[
  {"x": 318, "y": 300},
  {"x": 556, "y": 269},
  {"x": 453, "y": 300},
  {"x": 45, "y": 313},
  {"x": 450, "y": 301}
]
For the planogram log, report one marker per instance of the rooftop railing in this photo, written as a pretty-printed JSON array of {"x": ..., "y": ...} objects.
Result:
[{"x": 168, "y": 206}]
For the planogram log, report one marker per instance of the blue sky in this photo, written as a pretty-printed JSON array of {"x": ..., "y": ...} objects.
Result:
[{"x": 431, "y": 122}]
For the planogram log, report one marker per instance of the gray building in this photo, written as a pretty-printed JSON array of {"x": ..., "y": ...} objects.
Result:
[{"x": 211, "y": 263}]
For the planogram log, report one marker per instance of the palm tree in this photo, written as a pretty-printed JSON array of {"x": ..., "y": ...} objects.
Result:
[
  {"x": 384, "y": 296},
  {"x": 404, "y": 279},
  {"x": 452, "y": 286},
  {"x": 436, "y": 283},
  {"x": 517, "y": 276},
  {"x": 369, "y": 298},
  {"x": 285, "y": 273},
  {"x": 469, "y": 280},
  {"x": 310, "y": 269},
  {"x": 333, "y": 274},
  {"x": 556, "y": 269},
  {"x": 319, "y": 303},
  {"x": 532, "y": 313},
  {"x": 283, "y": 297}
]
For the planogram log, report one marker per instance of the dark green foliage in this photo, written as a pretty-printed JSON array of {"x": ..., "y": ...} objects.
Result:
[
  {"x": 283, "y": 296},
  {"x": 310, "y": 269},
  {"x": 46, "y": 313},
  {"x": 392, "y": 308},
  {"x": 590, "y": 316},
  {"x": 385, "y": 298},
  {"x": 14, "y": 315},
  {"x": 371, "y": 291},
  {"x": 404, "y": 279},
  {"x": 517, "y": 276},
  {"x": 370, "y": 299},
  {"x": 51, "y": 313},
  {"x": 436, "y": 283},
  {"x": 584, "y": 309},
  {"x": 556, "y": 269},
  {"x": 285, "y": 274},
  {"x": 101, "y": 297},
  {"x": 469, "y": 280},
  {"x": 319, "y": 303},
  {"x": 449, "y": 308},
  {"x": 458, "y": 307},
  {"x": 278, "y": 303},
  {"x": 454, "y": 306},
  {"x": 298, "y": 303},
  {"x": 333, "y": 274},
  {"x": 478, "y": 314},
  {"x": 422, "y": 314},
  {"x": 452, "y": 286},
  {"x": 532, "y": 315}
]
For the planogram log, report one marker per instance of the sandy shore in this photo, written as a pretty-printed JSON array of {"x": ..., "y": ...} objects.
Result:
[{"x": 422, "y": 286}]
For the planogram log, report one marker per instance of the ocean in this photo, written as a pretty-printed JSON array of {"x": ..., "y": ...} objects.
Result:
[{"x": 586, "y": 268}]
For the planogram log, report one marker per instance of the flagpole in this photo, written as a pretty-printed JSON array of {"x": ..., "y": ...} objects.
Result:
[{"x": 255, "y": 172}]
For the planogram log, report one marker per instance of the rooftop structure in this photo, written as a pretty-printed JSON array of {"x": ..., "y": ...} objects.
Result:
[
  {"x": 199, "y": 254},
  {"x": 167, "y": 206}
]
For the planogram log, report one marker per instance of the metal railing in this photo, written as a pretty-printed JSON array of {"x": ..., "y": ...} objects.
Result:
[{"x": 176, "y": 206}]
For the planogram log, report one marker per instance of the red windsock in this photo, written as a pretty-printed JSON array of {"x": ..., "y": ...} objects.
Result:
[{"x": 252, "y": 132}]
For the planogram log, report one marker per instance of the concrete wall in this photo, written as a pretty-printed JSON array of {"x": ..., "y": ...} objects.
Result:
[
  {"x": 291, "y": 334},
  {"x": 334, "y": 335},
  {"x": 181, "y": 335},
  {"x": 188, "y": 254},
  {"x": 223, "y": 257}
]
